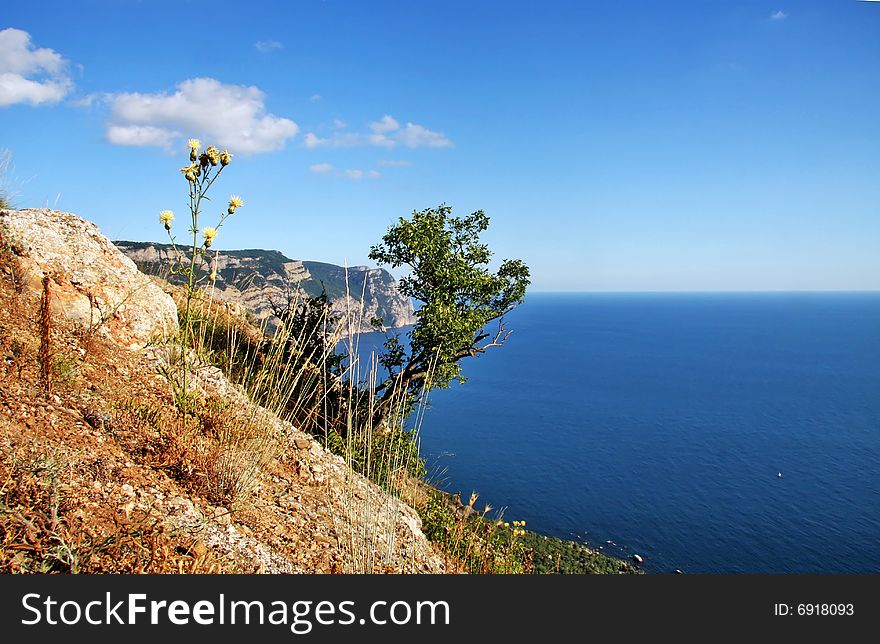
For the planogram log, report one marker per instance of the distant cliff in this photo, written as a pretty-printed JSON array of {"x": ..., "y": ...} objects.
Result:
[{"x": 255, "y": 278}]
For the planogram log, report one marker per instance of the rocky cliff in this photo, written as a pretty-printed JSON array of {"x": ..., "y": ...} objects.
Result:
[
  {"x": 101, "y": 472},
  {"x": 256, "y": 278}
]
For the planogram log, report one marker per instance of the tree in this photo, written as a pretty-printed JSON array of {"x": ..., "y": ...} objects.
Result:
[{"x": 458, "y": 295}]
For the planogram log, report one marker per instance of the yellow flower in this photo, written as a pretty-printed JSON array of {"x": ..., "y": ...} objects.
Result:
[
  {"x": 194, "y": 145},
  {"x": 166, "y": 217},
  {"x": 225, "y": 158},
  {"x": 209, "y": 235},
  {"x": 189, "y": 172},
  {"x": 213, "y": 276},
  {"x": 234, "y": 202},
  {"x": 213, "y": 155}
]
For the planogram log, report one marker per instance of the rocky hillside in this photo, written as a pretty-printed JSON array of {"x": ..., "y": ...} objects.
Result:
[
  {"x": 256, "y": 278},
  {"x": 101, "y": 472}
]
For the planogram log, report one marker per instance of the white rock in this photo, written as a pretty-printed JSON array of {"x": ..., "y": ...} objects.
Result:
[{"x": 92, "y": 282}]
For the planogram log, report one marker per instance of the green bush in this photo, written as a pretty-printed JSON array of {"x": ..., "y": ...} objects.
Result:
[
  {"x": 479, "y": 543},
  {"x": 490, "y": 545}
]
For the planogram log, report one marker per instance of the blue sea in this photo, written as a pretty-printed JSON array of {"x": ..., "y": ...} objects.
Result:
[{"x": 730, "y": 433}]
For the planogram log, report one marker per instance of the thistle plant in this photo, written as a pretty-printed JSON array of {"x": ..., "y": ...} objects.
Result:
[{"x": 193, "y": 263}]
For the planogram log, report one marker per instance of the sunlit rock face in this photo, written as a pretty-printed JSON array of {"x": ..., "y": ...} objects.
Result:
[
  {"x": 93, "y": 286},
  {"x": 258, "y": 278}
]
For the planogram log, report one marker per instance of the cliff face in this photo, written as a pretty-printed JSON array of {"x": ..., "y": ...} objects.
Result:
[{"x": 255, "y": 278}]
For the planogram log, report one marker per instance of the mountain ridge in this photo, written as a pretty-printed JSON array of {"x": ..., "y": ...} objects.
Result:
[{"x": 258, "y": 278}]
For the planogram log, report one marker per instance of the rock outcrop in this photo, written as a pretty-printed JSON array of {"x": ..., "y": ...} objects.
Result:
[
  {"x": 256, "y": 278},
  {"x": 94, "y": 286}
]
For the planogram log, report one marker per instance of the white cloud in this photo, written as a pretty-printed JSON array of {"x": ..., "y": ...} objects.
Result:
[
  {"x": 17, "y": 89},
  {"x": 19, "y": 60},
  {"x": 268, "y": 46},
  {"x": 778, "y": 15},
  {"x": 314, "y": 98},
  {"x": 416, "y": 136},
  {"x": 386, "y": 132},
  {"x": 360, "y": 174},
  {"x": 385, "y": 124},
  {"x": 232, "y": 116},
  {"x": 18, "y": 56},
  {"x": 345, "y": 140},
  {"x": 354, "y": 173},
  {"x": 381, "y": 140},
  {"x": 86, "y": 101},
  {"x": 339, "y": 124},
  {"x": 141, "y": 135},
  {"x": 394, "y": 163},
  {"x": 312, "y": 141}
]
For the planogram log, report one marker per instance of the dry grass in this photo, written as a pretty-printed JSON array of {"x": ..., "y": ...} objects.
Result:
[
  {"x": 44, "y": 529},
  {"x": 385, "y": 454},
  {"x": 120, "y": 452},
  {"x": 62, "y": 505},
  {"x": 8, "y": 192}
]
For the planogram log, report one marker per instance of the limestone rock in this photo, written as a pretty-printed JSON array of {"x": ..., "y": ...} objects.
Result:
[
  {"x": 93, "y": 285},
  {"x": 255, "y": 278}
]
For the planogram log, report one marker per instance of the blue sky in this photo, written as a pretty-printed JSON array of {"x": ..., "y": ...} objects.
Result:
[{"x": 616, "y": 146}]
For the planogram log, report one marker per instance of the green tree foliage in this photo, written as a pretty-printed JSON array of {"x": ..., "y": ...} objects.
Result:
[{"x": 458, "y": 296}]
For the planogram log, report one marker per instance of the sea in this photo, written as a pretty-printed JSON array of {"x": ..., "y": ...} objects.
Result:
[{"x": 705, "y": 432}]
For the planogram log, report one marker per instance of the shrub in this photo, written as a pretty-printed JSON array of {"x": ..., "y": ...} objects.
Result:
[{"x": 480, "y": 542}]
